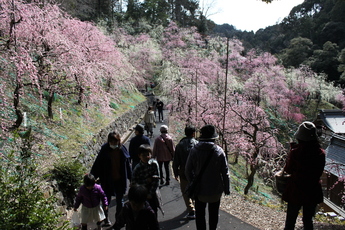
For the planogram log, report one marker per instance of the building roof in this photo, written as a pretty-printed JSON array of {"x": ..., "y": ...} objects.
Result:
[
  {"x": 335, "y": 156},
  {"x": 334, "y": 119}
]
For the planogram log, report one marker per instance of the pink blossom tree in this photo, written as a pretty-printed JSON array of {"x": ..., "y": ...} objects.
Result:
[
  {"x": 193, "y": 78},
  {"x": 196, "y": 85},
  {"x": 61, "y": 55}
]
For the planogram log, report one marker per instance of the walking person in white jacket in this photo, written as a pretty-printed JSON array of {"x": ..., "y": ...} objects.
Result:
[
  {"x": 149, "y": 119},
  {"x": 214, "y": 180}
]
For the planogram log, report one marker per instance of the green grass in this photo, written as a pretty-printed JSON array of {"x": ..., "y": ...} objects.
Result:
[{"x": 65, "y": 135}]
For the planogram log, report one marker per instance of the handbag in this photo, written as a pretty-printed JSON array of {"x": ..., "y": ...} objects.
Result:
[
  {"x": 192, "y": 186},
  {"x": 172, "y": 155},
  {"x": 75, "y": 220},
  {"x": 282, "y": 178}
]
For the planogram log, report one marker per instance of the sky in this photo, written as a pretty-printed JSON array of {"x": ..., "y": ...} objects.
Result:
[{"x": 250, "y": 14}]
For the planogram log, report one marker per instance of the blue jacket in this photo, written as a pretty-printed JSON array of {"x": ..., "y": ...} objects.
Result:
[
  {"x": 102, "y": 169},
  {"x": 90, "y": 198},
  {"x": 134, "y": 146}
]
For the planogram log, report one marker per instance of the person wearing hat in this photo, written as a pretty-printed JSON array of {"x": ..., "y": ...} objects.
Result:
[
  {"x": 305, "y": 162},
  {"x": 214, "y": 181},
  {"x": 135, "y": 142},
  {"x": 163, "y": 152}
]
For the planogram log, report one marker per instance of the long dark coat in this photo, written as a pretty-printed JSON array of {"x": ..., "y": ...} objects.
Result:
[
  {"x": 305, "y": 163},
  {"x": 102, "y": 168}
]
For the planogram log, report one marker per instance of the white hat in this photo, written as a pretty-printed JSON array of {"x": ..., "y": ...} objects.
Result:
[{"x": 164, "y": 129}]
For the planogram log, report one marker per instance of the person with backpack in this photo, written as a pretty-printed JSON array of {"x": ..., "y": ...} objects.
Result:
[
  {"x": 150, "y": 120},
  {"x": 179, "y": 163}
]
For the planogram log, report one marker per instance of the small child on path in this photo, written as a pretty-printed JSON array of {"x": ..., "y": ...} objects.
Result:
[
  {"x": 146, "y": 173},
  {"x": 137, "y": 214},
  {"x": 90, "y": 194}
]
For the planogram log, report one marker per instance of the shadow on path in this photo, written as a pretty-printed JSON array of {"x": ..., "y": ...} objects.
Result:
[{"x": 174, "y": 208}]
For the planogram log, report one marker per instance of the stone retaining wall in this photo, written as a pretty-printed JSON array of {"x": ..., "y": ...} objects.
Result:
[{"x": 121, "y": 124}]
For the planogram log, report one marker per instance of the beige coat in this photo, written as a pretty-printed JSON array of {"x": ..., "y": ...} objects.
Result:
[{"x": 149, "y": 117}]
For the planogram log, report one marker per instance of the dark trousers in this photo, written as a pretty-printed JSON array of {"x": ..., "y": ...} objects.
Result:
[
  {"x": 160, "y": 114},
  {"x": 200, "y": 212},
  {"x": 292, "y": 213},
  {"x": 166, "y": 167},
  {"x": 119, "y": 199}
]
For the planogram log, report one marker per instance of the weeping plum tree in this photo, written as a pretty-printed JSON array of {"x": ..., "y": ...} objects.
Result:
[
  {"x": 60, "y": 55},
  {"x": 195, "y": 84},
  {"x": 143, "y": 53}
]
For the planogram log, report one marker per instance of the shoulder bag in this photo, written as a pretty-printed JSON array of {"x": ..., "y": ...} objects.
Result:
[
  {"x": 191, "y": 188},
  {"x": 282, "y": 178},
  {"x": 167, "y": 146}
]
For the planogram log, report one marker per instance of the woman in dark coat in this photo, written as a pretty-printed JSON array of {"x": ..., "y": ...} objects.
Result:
[
  {"x": 112, "y": 167},
  {"x": 305, "y": 163}
]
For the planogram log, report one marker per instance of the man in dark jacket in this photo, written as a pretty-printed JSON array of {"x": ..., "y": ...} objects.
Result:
[
  {"x": 180, "y": 158},
  {"x": 135, "y": 142},
  {"x": 112, "y": 167},
  {"x": 160, "y": 106}
]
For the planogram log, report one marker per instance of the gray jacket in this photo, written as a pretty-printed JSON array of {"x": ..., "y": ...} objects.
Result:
[
  {"x": 215, "y": 178},
  {"x": 181, "y": 155}
]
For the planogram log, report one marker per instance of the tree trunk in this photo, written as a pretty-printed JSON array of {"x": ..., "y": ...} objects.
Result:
[
  {"x": 50, "y": 105},
  {"x": 250, "y": 179},
  {"x": 16, "y": 99},
  {"x": 81, "y": 94}
]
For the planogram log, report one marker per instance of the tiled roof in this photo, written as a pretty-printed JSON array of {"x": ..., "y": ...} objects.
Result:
[
  {"x": 334, "y": 119},
  {"x": 335, "y": 158}
]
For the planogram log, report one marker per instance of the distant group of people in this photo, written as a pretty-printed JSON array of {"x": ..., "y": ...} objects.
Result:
[{"x": 199, "y": 161}]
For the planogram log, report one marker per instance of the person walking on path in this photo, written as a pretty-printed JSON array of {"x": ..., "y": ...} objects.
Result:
[
  {"x": 179, "y": 163},
  {"x": 137, "y": 214},
  {"x": 150, "y": 120},
  {"x": 305, "y": 163},
  {"x": 160, "y": 106},
  {"x": 146, "y": 173},
  {"x": 163, "y": 152},
  {"x": 214, "y": 180},
  {"x": 135, "y": 142},
  {"x": 91, "y": 195},
  {"x": 154, "y": 107},
  {"x": 112, "y": 167}
]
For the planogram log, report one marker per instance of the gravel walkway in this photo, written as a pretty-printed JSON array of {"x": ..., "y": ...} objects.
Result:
[{"x": 264, "y": 217}]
